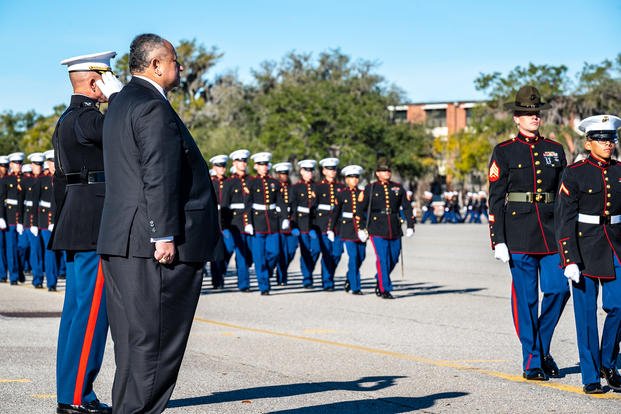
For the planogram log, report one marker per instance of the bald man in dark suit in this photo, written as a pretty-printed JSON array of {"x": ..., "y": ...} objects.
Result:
[{"x": 159, "y": 226}]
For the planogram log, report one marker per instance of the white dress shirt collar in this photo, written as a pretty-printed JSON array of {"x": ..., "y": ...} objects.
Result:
[{"x": 155, "y": 84}]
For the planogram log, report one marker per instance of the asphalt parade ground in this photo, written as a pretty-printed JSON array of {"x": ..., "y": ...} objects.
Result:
[{"x": 446, "y": 343}]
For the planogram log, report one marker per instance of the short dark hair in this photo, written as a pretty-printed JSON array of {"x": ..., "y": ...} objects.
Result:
[{"x": 140, "y": 51}]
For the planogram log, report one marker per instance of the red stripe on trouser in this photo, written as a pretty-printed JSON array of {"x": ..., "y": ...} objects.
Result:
[
  {"x": 88, "y": 336},
  {"x": 514, "y": 308},
  {"x": 378, "y": 264}
]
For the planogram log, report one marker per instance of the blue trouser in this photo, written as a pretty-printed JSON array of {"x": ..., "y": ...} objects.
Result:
[
  {"x": 535, "y": 333},
  {"x": 23, "y": 245},
  {"x": 309, "y": 253},
  {"x": 429, "y": 215},
  {"x": 50, "y": 263},
  {"x": 240, "y": 243},
  {"x": 592, "y": 356},
  {"x": 331, "y": 253},
  {"x": 35, "y": 257},
  {"x": 12, "y": 257},
  {"x": 356, "y": 251},
  {"x": 288, "y": 245},
  {"x": 218, "y": 267},
  {"x": 386, "y": 256},
  {"x": 3, "y": 262},
  {"x": 83, "y": 329},
  {"x": 265, "y": 249},
  {"x": 61, "y": 259}
]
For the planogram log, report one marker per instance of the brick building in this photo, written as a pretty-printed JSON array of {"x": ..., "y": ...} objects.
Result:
[{"x": 442, "y": 118}]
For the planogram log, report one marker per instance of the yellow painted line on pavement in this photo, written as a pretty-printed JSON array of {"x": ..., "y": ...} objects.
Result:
[
  {"x": 318, "y": 331},
  {"x": 422, "y": 360},
  {"x": 44, "y": 396},
  {"x": 5, "y": 380}
]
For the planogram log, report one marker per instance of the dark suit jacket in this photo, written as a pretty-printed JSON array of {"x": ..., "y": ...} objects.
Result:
[{"x": 157, "y": 182}]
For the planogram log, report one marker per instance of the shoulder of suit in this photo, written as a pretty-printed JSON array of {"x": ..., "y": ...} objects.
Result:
[
  {"x": 550, "y": 141},
  {"x": 578, "y": 164},
  {"x": 506, "y": 143}
]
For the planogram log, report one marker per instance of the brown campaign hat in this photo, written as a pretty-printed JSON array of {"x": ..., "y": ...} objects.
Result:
[{"x": 526, "y": 100}]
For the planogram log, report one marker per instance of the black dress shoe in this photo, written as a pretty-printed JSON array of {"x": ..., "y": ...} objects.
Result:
[
  {"x": 612, "y": 377},
  {"x": 265, "y": 293},
  {"x": 38, "y": 286},
  {"x": 51, "y": 289},
  {"x": 347, "y": 286},
  {"x": 307, "y": 286},
  {"x": 3, "y": 280},
  {"x": 550, "y": 367},
  {"x": 387, "y": 295},
  {"x": 593, "y": 388},
  {"x": 329, "y": 289},
  {"x": 13, "y": 283},
  {"x": 93, "y": 407},
  {"x": 356, "y": 292},
  {"x": 536, "y": 374},
  {"x": 245, "y": 289},
  {"x": 62, "y": 276}
]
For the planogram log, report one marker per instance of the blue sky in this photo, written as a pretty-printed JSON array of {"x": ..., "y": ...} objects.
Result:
[{"x": 433, "y": 50}]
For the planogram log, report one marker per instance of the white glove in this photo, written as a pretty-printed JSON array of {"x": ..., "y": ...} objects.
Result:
[
  {"x": 363, "y": 235},
  {"x": 34, "y": 230},
  {"x": 109, "y": 84},
  {"x": 285, "y": 224},
  {"x": 50, "y": 227},
  {"x": 572, "y": 272},
  {"x": 330, "y": 235},
  {"x": 2, "y": 224},
  {"x": 19, "y": 228},
  {"x": 501, "y": 252},
  {"x": 249, "y": 229},
  {"x": 409, "y": 232}
]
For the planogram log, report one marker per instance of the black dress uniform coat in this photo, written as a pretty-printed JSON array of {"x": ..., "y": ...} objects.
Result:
[
  {"x": 346, "y": 222},
  {"x": 326, "y": 200},
  {"x": 591, "y": 187},
  {"x": 32, "y": 190},
  {"x": 303, "y": 206},
  {"x": 386, "y": 200},
  {"x": 78, "y": 157},
  {"x": 180, "y": 203},
  {"x": 47, "y": 204},
  {"x": 235, "y": 205},
  {"x": 13, "y": 199},
  {"x": 532, "y": 168},
  {"x": 285, "y": 194},
  {"x": 265, "y": 191}
]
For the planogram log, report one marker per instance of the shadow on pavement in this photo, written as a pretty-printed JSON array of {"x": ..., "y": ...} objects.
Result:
[
  {"x": 364, "y": 384},
  {"x": 390, "y": 405}
]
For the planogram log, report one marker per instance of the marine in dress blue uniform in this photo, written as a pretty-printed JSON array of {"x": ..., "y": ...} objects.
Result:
[
  {"x": 4, "y": 168},
  {"x": 303, "y": 213},
  {"x": 288, "y": 242},
  {"x": 524, "y": 176},
  {"x": 428, "y": 210},
  {"x": 588, "y": 214},
  {"x": 330, "y": 243},
  {"x": 381, "y": 203},
  {"x": 46, "y": 211},
  {"x": 346, "y": 224},
  {"x": 12, "y": 213},
  {"x": 218, "y": 267},
  {"x": 234, "y": 213},
  {"x": 32, "y": 193},
  {"x": 265, "y": 207},
  {"x": 80, "y": 189}
]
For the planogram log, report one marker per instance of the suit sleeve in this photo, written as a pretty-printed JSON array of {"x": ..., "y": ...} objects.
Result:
[
  {"x": 363, "y": 206},
  {"x": 90, "y": 125},
  {"x": 159, "y": 142},
  {"x": 252, "y": 184},
  {"x": 498, "y": 185},
  {"x": 566, "y": 219},
  {"x": 407, "y": 210}
]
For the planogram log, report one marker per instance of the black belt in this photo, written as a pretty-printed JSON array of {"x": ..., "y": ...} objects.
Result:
[
  {"x": 93, "y": 177},
  {"x": 531, "y": 197}
]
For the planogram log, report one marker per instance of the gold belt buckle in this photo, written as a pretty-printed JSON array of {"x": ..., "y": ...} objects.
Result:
[{"x": 538, "y": 198}]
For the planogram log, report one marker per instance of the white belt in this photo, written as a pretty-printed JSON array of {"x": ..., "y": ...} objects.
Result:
[
  {"x": 591, "y": 219},
  {"x": 326, "y": 207},
  {"x": 11, "y": 201},
  {"x": 28, "y": 203},
  {"x": 303, "y": 209},
  {"x": 263, "y": 207},
  {"x": 347, "y": 215},
  {"x": 45, "y": 204},
  {"x": 237, "y": 206}
]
